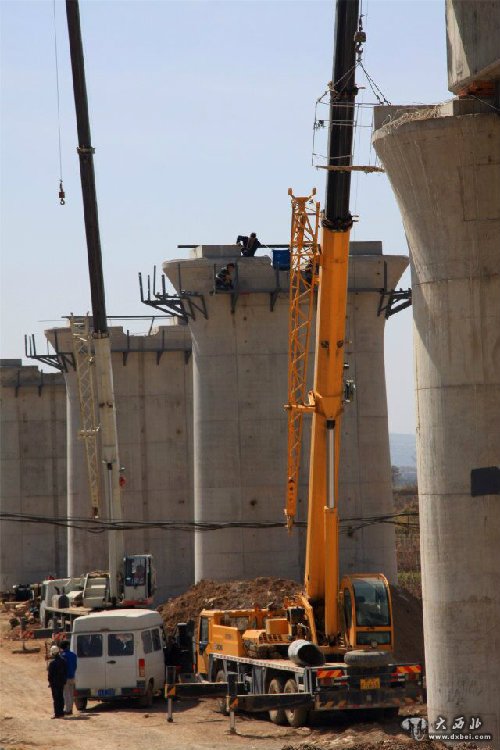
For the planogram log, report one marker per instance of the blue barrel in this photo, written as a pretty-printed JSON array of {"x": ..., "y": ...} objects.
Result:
[{"x": 281, "y": 260}]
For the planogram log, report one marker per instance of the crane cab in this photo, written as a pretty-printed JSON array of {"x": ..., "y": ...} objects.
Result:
[
  {"x": 139, "y": 581},
  {"x": 366, "y": 612}
]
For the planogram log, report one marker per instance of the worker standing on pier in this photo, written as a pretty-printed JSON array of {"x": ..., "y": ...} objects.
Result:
[{"x": 249, "y": 244}]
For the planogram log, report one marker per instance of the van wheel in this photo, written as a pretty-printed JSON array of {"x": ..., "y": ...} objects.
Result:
[
  {"x": 296, "y": 717},
  {"x": 81, "y": 703},
  {"x": 146, "y": 700},
  {"x": 221, "y": 702},
  {"x": 277, "y": 715}
]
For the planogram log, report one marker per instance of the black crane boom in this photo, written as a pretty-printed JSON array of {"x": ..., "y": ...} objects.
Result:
[
  {"x": 341, "y": 125},
  {"x": 87, "y": 174}
]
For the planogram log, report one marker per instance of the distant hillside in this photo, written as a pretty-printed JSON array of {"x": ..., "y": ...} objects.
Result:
[
  {"x": 403, "y": 449},
  {"x": 403, "y": 456}
]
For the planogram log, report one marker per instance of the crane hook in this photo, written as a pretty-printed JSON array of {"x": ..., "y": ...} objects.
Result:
[{"x": 62, "y": 194}]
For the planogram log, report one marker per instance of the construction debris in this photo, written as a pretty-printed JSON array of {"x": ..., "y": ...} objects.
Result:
[{"x": 226, "y": 595}]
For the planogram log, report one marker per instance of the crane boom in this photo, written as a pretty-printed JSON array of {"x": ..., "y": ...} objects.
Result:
[
  {"x": 102, "y": 345},
  {"x": 322, "y": 566},
  {"x": 304, "y": 256}
]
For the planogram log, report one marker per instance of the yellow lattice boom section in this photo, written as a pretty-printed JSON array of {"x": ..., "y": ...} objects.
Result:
[
  {"x": 304, "y": 266},
  {"x": 89, "y": 428}
]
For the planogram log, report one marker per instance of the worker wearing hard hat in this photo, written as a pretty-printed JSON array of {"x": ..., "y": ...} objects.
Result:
[{"x": 57, "y": 672}]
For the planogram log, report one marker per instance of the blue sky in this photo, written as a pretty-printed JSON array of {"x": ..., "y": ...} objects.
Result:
[{"x": 201, "y": 116}]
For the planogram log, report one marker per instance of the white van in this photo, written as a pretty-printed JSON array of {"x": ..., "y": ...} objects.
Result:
[{"x": 120, "y": 655}]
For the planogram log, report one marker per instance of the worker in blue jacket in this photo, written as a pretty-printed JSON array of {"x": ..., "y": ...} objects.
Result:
[{"x": 69, "y": 688}]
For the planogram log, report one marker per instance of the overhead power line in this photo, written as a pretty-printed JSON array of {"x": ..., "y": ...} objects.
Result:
[{"x": 101, "y": 525}]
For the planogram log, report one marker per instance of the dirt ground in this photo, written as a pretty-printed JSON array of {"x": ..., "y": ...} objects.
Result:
[{"x": 26, "y": 708}]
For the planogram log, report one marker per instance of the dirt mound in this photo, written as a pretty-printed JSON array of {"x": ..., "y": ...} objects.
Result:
[
  {"x": 225, "y": 595},
  {"x": 408, "y": 626}
]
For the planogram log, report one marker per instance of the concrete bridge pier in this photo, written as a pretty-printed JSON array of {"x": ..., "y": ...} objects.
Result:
[{"x": 444, "y": 167}]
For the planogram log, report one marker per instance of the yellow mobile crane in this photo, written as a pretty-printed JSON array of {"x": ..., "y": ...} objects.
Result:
[{"x": 329, "y": 649}]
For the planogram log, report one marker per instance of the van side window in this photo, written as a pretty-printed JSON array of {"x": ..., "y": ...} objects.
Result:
[
  {"x": 156, "y": 640},
  {"x": 147, "y": 642},
  {"x": 88, "y": 645},
  {"x": 120, "y": 644}
]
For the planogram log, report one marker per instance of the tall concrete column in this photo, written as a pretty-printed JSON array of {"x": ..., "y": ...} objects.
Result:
[
  {"x": 32, "y": 472},
  {"x": 239, "y": 388},
  {"x": 365, "y": 464},
  {"x": 153, "y": 391},
  {"x": 444, "y": 167},
  {"x": 240, "y": 362}
]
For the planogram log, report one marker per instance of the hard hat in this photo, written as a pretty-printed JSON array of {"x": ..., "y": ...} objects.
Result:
[{"x": 54, "y": 650}]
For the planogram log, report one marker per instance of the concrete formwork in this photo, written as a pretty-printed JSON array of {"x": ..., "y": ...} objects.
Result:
[
  {"x": 153, "y": 391},
  {"x": 32, "y": 475},
  {"x": 240, "y": 362},
  {"x": 445, "y": 172},
  {"x": 473, "y": 34}
]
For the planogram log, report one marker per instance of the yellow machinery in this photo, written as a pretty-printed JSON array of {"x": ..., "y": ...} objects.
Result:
[
  {"x": 355, "y": 612},
  {"x": 334, "y": 612},
  {"x": 332, "y": 645}
]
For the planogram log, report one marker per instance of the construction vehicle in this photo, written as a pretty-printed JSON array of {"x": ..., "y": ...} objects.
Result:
[
  {"x": 130, "y": 580},
  {"x": 64, "y": 599},
  {"x": 331, "y": 648}
]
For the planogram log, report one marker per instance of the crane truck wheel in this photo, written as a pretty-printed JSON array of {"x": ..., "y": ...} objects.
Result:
[
  {"x": 368, "y": 658},
  {"x": 277, "y": 715},
  {"x": 221, "y": 702},
  {"x": 297, "y": 717},
  {"x": 81, "y": 703}
]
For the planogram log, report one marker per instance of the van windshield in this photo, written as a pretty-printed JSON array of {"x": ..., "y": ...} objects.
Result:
[
  {"x": 120, "y": 644},
  {"x": 89, "y": 645}
]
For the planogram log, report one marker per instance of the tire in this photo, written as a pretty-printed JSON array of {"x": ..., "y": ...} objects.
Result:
[
  {"x": 221, "y": 702},
  {"x": 368, "y": 658},
  {"x": 146, "y": 700},
  {"x": 296, "y": 717},
  {"x": 277, "y": 715},
  {"x": 81, "y": 703}
]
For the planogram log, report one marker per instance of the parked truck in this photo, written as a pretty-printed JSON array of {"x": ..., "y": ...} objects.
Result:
[{"x": 62, "y": 600}]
